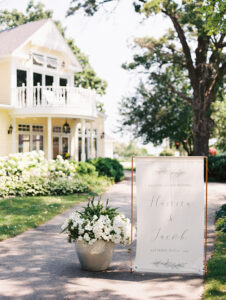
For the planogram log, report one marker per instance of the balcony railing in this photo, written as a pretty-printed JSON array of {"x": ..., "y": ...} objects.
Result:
[{"x": 81, "y": 101}]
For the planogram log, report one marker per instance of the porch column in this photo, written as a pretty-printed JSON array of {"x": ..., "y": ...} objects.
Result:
[
  {"x": 49, "y": 154},
  {"x": 83, "y": 154},
  {"x": 14, "y": 135},
  {"x": 13, "y": 81},
  {"x": 30, "y": 85},
  {"x": 75, "y": 141},
  {"x": 98, "y": 141},
  {"x": 91, "y": 139},
  {"x": 88, "y": 144}
]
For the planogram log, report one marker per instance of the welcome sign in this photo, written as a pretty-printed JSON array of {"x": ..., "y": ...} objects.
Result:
[{"x": 170, "y": 214}]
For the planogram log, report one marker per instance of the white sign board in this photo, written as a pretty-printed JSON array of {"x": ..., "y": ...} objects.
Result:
[{"x": 170, "y": 215}]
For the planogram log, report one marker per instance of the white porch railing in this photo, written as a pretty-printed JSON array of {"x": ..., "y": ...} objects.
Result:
[{"x": 76, "y": 98}]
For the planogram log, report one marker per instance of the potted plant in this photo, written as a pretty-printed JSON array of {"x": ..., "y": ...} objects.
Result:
[{"x": 95, "y": 230}]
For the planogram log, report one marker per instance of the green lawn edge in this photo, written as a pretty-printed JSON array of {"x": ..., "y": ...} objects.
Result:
[
  {"x": 20, "y": 214},
  {"x": 215, "y": 279}
]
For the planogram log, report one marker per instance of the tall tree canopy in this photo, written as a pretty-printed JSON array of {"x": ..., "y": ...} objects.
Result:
[
  {"x": 34, "y": 12},
  {"x": 194, "y": 47}
]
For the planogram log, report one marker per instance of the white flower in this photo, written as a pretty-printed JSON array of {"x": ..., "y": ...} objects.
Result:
[
  {"x": 81, "y": 231},
  {"x": 88, "y": 227},
  {"x": 86, "y": 237},
  {"x": 64, "y": 226}
]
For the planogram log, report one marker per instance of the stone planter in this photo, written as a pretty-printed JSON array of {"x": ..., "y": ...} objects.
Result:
[{"x": 96, "y": 257}]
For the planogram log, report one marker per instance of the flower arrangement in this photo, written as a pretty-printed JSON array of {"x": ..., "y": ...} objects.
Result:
[{"x": 97, "y": 222}]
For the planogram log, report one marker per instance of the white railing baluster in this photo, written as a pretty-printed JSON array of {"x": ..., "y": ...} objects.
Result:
[
  {"x": 34, "y": 98},
  {"x": 23, "y": 95},
  {"x": 38, "y": 94}
]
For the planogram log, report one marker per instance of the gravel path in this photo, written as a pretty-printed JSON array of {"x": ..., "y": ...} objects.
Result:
[{"x": 40, "y": 264}]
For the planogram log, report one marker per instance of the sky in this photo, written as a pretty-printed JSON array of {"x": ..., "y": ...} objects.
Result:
[{"x": 107, "y": 39}]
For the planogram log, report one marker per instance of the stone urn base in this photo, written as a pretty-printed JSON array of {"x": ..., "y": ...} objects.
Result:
[{"x": 96, "y": 257}]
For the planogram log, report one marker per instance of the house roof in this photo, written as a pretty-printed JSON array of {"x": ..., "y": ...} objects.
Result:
[{"x": 11, "y": 39}]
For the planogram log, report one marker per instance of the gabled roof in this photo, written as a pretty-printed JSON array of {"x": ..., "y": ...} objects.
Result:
[
  {"x": 43, "y": 33},
  {"x": 11, "y": 39}
]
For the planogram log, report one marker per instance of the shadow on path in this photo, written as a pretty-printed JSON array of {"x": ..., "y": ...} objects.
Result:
[{"x": 40, "y": 264}]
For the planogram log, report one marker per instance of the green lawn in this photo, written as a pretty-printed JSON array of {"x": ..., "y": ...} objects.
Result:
[
  {"x": 20, "y": 214},
  {"x": 215, "y": 279}
]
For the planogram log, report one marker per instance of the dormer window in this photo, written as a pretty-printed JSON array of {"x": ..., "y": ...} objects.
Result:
[
  {"x": 51, "y": 62},
  {"x": 38, "y": 59},
  {"x": 44, "y": 61}
]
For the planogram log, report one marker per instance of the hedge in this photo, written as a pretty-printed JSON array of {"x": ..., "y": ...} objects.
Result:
[
  {"x": 108, "y": 167},
  {"x": 217, "y": 168}
]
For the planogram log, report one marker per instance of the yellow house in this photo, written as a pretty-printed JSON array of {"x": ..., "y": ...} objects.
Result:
[{"x": 40, "y": 109}]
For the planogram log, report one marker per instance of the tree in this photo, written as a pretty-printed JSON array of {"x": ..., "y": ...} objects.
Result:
[
  {"x": 155, "y": 114},
  {"x": 195, "y": 46},
  {"x": 125, "y": 151},
  {"x": 219, "y": 116},
  {"x": 87, "y": 77}
]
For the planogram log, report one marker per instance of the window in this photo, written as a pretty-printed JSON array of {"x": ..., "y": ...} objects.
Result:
[
  {"x": 24, "y": 142},
  {"x": 22, "y": 127},
  {"x": 63, "y": 82},
  {"x": 37, "y": 128},
  {"x": 49, "y": 80},
  {"x": 51, "y": 63},
  {"x": 21, "y": 76},
  {"x": 38, "y": 59},
  {"x": 65, "y": 145},
  {"x": 37, "y": 142},
  {"x": 57, "y": 129},
  {"x": 30, "y": 137},
  {"x": 44, "y": 61},
  {"x": 37, "y": 79}
]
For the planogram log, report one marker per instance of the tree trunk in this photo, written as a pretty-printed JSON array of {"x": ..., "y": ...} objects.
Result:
[{"x": 202, "y": 125}]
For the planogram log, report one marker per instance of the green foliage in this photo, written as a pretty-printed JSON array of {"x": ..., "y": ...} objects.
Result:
[
  {"x": 20, "y": 214},
  {"x": 214, "y": 12},
  {"x": 9, "y": 19},
  {"x": 89, "y": 6},
  {"x": 108, "y": 167},
  {"x": 86, "y": 168},
  {"x": 186, "y": 65},
  {"x": 98, "y": 209},
  {"x": 221, "y": 213},
  {"x": 30, "y": 174},
  {"x": 166, "y": 152},
  {"x": 87, "y": 78},
  {"x": 219, "y": 117},
  {"x": 156, "y": 113},
  {"x": 215, "y": 278},
  {"x": 125, "y": 151},
  {"x": 221, "y": 219},
  {"x": 217, "y": 168}
]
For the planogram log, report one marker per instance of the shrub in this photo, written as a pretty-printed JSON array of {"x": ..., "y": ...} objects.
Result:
[
  {"x": 221, "y": 219},
  {"x": 86, "y": 168},
  {"x": 217, "y": 168},
  {"x": 166, "y": 152},
  {"x": 108, "y": 167},
  {"x": 30, "y": 174}
]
